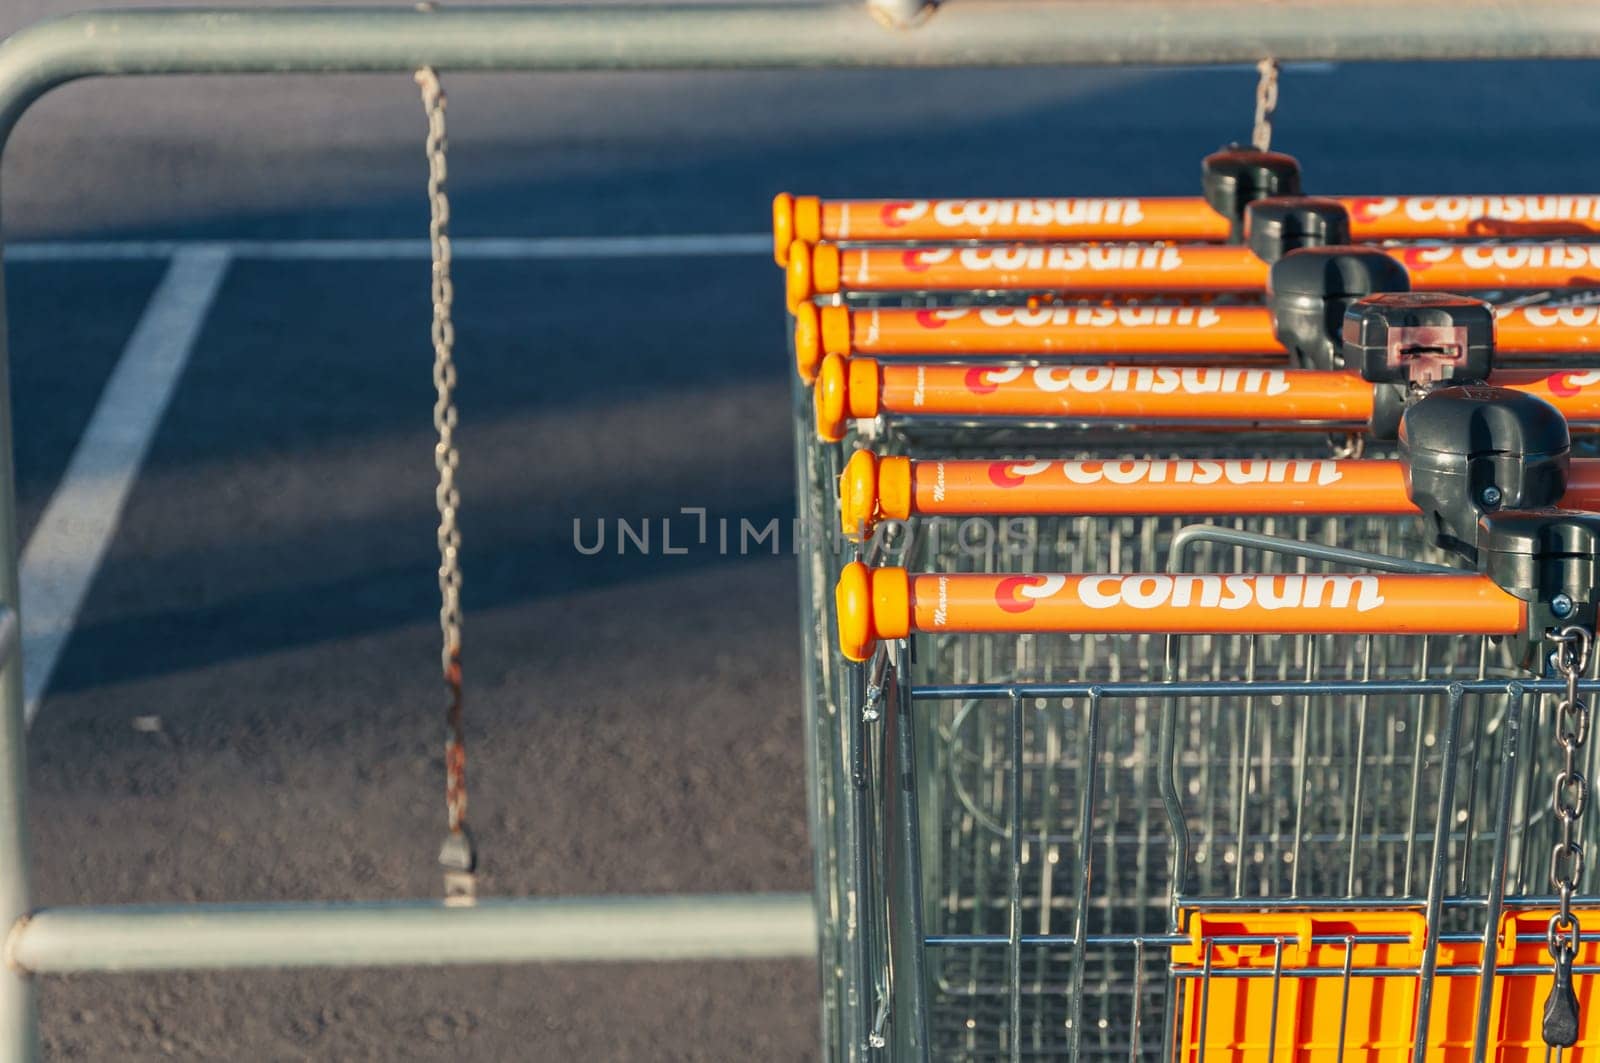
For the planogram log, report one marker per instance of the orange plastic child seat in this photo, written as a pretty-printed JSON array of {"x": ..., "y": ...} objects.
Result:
[{"x": 1319, "y": 1016}]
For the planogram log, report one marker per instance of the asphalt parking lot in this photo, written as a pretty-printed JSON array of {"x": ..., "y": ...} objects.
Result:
[{"x": 246, "y": 706}]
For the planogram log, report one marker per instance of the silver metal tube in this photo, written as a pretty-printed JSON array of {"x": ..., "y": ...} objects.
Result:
[
  {"x": 1190, "y": 534},
  {"x": 10, "y": 637},
  {"x": 1511, "y": 740},
  {"x": 1015, "y": 826},
  {"x": 19, "y": 1017},
  {"x": 1449, "y": 761},
  {"x": 1004, "y": 33},
  {"x": 421, "y": 933}
]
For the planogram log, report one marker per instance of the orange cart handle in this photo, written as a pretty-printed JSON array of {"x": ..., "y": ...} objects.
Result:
[
  {"x": 889, "y": 603},
  {"x": 1214, "y": 332},
  {"x": 874, "y": 489},
  {"x": 1075, "y": 218},
  {"x": 1546, "y": 329},
  {"x": 813, "y": 220},
  {"x": 827, "y": 269},
  {"x": 863, "y": 388}
]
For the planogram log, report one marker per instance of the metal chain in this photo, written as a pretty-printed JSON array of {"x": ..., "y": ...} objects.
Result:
[
  {"x": 457, "y": 855},
  {"x": 1347, "y": 445},
  {"x": 1266, "y": 103},
  {"x": 1570, "y": 797}
]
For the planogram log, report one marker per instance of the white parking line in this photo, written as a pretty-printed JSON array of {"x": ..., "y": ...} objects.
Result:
[
  {"x": 61, "y": 558},
  {"x": 463, "y": 247}
]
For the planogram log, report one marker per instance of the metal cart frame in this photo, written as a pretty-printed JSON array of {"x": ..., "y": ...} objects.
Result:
[{"x": 555, "y": 39}]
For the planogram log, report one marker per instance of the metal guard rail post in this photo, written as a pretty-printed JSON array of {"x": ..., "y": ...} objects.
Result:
[{"x": 548, "y": 39}]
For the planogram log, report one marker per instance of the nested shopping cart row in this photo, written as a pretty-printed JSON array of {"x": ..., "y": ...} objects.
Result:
[
  {"x": 1308, "y": 292},
  {"x": 1159, "y": 269},
  {"x": 1192, "y": 694},
  {"x": 1231, "y": 180},
  {"x": 1186, "y": 334}
]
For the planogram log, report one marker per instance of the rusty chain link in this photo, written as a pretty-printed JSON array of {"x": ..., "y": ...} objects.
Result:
[
  {"x": 1266, "y": 103},
  {"x": 1569, "y": 797},
  {"x": 458, "y": 855}
]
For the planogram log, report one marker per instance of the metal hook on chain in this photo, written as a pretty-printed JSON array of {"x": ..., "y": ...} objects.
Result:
[
  {"x": 1346, "y": 445},
  {"x": 1266, "y": 103},
  {"x": 1576, "y": 642},
  {"x": 457, "y": 855}
]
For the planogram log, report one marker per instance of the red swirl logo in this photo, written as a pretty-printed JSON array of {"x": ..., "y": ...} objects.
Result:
[
  {"x": 890, "y": 214},
  {"x": 978, "y": 382},
  {"x": 1017, "y": 594},
  {"x": 1001, "y": 475},
  {"x": 1419, "y": 258},
  {"x": 1365, "y": 209},
  {"x": 1570, "y": 385},
  {"x": 981, "y": 381},
  {"x": 1013, "y": 474},
  {"x": 1008, "y": 593}
]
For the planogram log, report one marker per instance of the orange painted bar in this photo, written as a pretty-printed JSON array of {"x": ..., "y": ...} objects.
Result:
[
  {"x": 1159, "y": 488},
  {"x": 888, "y": 603},
  {"x": 1469, "y": 267},
  {"x": 1575, "y": 392},
  {"x": 1061, "y": 329},
  {"x": 1075, "y": 218},
  {"x": 1214, "y": 333},
  {"x": 1156, "y": 393},
  {"x": 1480, "y": 217},
  {"x": 1189, "y": 269},
  {"x": 1137, "y": 330},
  {"x": 1108, "y": 268},
  {"x": 1239, "y": 604},
  {"x": 1185, "y": 218},
  {"x": 873, "y": 489},
  {"x": 1546, "y": 329},
  {"x": 865, "y": 388},
  {"x": 1225, "y": 333}
]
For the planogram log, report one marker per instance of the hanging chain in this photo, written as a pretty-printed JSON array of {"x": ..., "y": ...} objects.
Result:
[
  {"x": 1571, "y": 795},
  {"x": 1266, "y": 103},
  {"x": 457, "y": 855},
  {"x": 1347, "y": 445}
]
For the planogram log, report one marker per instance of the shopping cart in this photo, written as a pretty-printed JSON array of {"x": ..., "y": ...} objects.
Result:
[
  {"x": 1333, "y": 776},
  {"x": 959, "y": 761},
  {"x": 1141, "y": 841},
  {"x": 1079, "y": 544},
  {"x": 1304, "y": 778}
]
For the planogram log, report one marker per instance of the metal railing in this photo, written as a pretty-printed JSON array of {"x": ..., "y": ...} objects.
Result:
[{"x": 143, "y": 43}]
